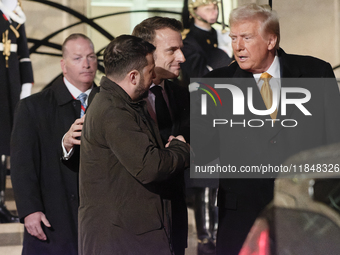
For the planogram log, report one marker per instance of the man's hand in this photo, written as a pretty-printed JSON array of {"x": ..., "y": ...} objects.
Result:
[
  {"x": 33, "y": 224},
  {"x": 179, "y": 137},
  {"x": 74, "y": 132}
]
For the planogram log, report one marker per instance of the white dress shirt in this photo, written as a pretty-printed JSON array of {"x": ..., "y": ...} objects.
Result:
[{"x": 274, "y": 82}]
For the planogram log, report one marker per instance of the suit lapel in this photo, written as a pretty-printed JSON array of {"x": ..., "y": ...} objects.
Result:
[
  {"x": 287, "y": 71},
  {"x": 152, "y": 126},
  {"x": 172, "y": 104},
  {"x": 69, "y": 109},
  {"x": 142, "y": 110},
  {"x": 287, "y": 67},
  {"x": 170, "y": 94}
]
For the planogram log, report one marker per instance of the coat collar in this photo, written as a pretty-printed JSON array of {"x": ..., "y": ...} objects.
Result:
[
  {"x": 111, "y": 86},
  {"x": 63, "y": 96},
  {"x": 139, "y": 106},
  {"x": 203, "y": 37},
  {"x": 288, "y": 66}
]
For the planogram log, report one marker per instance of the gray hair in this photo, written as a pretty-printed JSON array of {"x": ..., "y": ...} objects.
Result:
[{"x": 263, "y": 13}]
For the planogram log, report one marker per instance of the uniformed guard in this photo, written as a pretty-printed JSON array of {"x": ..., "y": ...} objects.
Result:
[
  {"x": 205, "y": 49},
  {"x": 16, "y": 79}
]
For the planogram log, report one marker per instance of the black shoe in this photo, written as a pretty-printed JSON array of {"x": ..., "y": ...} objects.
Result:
[
  {"x": 6, "y": 216},
  {"x": 206, "y": 247}
]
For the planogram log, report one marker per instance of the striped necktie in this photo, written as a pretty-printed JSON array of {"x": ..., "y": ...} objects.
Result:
[{"x": 82, "y": 98}]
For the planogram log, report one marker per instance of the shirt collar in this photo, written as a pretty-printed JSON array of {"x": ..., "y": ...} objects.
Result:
[
  {"x": 273, "y": 70},
  {"x": 161, "y": 84},
  {"x": 75, "y": 92}
]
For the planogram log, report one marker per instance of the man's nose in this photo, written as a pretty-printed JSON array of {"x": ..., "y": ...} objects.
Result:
[
  {"x": 239, "y": 45},
  {"x": 180, "y": 56},
  {"x": 86, "y": 63}
]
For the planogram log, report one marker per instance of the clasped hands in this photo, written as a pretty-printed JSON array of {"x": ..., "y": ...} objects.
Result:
[{"x": 179, "y": 137}]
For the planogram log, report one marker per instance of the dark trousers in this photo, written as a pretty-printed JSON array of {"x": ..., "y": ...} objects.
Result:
[{"x": 233, "y": 228}]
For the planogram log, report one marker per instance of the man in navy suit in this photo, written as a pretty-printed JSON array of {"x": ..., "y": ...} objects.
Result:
[
  {"x": 255, "y": 35},
  {"x": 165, "y": 35}
]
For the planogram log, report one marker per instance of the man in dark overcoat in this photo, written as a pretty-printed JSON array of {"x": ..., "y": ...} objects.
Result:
[
  {"x": 46, "y": 191},
  {"x": 259, "y": 64}
]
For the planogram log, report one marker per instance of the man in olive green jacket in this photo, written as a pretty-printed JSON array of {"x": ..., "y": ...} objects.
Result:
[{"x": 123, "y": 161}]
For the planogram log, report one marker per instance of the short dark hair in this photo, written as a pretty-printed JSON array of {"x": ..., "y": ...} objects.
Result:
[
  {"x": 147, "y": 28},
  {"x": 71, "y": 37},
  {"x": 124, "y": 54}
]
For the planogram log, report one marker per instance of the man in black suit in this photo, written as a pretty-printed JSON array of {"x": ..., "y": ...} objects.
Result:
[
  {"x": 255, "y": 35},
  {"x": 173, "y": 118},
  {"x": 46, "y": 190}
]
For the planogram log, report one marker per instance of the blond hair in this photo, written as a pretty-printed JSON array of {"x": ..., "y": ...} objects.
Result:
[{"x": 263, "y": 13}]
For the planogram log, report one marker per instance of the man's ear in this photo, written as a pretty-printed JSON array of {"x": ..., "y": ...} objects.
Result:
[
  {"x": 134, "y": 77},
  {"x": 272, "y": 39}
]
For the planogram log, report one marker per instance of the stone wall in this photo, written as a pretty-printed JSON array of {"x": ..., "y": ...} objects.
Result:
[
  {"x": 308, "y": 27},
  {"x": 42, "y": 20}
]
